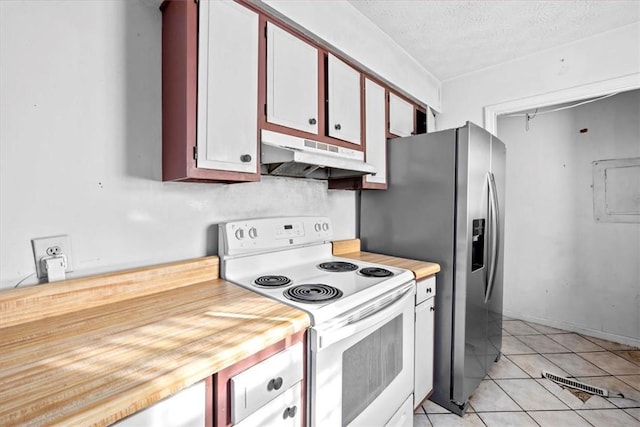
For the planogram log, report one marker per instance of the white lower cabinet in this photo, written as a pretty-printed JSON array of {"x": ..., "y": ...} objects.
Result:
[
  {"x": 270, "y": 392},
  {"x": 424, "y": 330},
  {"x": 284, "y": 410},
  {"x": 183, "y": 409}
]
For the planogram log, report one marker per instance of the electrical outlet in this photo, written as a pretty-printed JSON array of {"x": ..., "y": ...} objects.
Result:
[{"x": 45, "y": 247}]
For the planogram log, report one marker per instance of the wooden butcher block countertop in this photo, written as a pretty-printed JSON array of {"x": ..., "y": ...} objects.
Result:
[
  {"x": 91, "y": 351},
  {"x": 351, "y": 249}
]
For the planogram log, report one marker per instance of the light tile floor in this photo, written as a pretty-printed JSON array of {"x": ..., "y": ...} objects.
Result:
[{"x": 515, "y": 394}]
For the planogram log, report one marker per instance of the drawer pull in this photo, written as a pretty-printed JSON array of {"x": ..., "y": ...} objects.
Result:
[
  {"x": 428, "y": 290},
  {"x": 290, "y": 412},
  {"x": 432, "y": 309},
  {"x": 275, "y": 384}
]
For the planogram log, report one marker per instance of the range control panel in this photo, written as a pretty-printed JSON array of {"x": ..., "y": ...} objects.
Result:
[{"x": 264, "y": 234}]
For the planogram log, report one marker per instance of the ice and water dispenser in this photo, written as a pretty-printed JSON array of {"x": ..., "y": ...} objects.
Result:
[{"x": 477, "y": 245}]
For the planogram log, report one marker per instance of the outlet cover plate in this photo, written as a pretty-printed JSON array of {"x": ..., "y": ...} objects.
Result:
[{"x": 40, "y": 246}]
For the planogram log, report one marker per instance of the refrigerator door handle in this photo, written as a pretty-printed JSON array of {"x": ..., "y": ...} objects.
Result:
[{"x": 494, "y": 216}]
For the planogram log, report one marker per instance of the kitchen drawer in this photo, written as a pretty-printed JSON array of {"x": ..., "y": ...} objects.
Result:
[
  {"x": 403, "y": 416},
  {"x": 259, "y": 384},
  {"x": 425, "y": 289},
  {"x": 283, "y": 411}
]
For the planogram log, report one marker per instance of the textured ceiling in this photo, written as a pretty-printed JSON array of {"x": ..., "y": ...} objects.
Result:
[{"x": 451, "y": 38}]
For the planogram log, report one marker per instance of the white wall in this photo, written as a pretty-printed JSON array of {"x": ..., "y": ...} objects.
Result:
[
  {"x": 565, "y": 277},
  {"x": 343, "y": 26},
  {"x": 80, "y": 153},
  {"x": 562, "y": 268},
  {"x": 590, "y": 61}
]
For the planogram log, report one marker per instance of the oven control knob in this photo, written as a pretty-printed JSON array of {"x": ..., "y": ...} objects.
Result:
[
  {"x": 317, "y": 227},
  {"x": 239, "y": 234},
  {"x": 325, "y": 227},
  {"x": 253, "y": 232}
]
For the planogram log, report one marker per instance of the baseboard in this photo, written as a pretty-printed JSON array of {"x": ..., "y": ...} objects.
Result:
[{"x": 575, "y": 328}]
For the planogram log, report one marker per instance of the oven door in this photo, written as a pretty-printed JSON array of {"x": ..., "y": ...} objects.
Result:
[{"x": 362, "y": 363}]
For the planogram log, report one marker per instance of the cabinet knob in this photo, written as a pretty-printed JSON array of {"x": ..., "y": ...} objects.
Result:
[
  {"x": 337, "y": 126},
  {"x": 312, "y": 121},
  {"x": 290, "y": 412},
  {"x": 245, "y": 158},
  {"x": 274, "y": 384}
]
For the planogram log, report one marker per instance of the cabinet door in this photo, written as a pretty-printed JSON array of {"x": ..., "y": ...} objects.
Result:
[
  {"x": 184, "y": 409},
  {"x": 344, "y": 101},
  {"x": 227, "y": 87},
  {"x": 376, "y": 148},
  {"x": 283, "y": 411},
  {"x": 400, "y": 116},
  {"x": 283, "y": 367},
  {"x": 254, "y": 387},
  {"x": 423, "y": 381},
  {"x": 292, "y": 81}
]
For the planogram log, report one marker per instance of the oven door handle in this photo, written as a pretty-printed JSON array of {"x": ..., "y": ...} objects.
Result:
[{"x": 351, "y": 324}]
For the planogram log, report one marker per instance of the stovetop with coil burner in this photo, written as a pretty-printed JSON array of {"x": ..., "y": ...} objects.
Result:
[
  {"x": 323, "y": 293},
  {"x": 300, "y": 271},
  {"x": 319, "y": 292},
  {"x": 313, "y": 293}
]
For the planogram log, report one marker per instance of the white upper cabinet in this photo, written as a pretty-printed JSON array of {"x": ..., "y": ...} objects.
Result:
[
  {"x": 400, "y": 116},
  {"x": 344, "y": 101},
  {"x": 292, "y": 81},
  {"x": 227, "y": 123},
  {"x": 376, "y": 147}
]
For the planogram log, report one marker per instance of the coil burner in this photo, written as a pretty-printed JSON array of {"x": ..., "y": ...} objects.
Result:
[
  {"x": 272, "y": 281},
  {"x": 375, "y": 272},
  {"x": 313, "y": 293},
  {"x": 337, "y": 266}
]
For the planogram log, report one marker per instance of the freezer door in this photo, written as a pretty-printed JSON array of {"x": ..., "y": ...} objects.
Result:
[
  {"x": 494, "y": 326},
  {"x": 470, "y": 315}
]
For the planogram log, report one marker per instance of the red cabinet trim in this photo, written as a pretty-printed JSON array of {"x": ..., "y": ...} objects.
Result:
[
  {"x": 180, "y": 98},
  {"x": 221, "y": 387},
  {"x": 179, "y": 91}
]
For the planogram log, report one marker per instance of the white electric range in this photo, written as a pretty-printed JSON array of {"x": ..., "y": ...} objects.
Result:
[{"x": 360, "y": 344}]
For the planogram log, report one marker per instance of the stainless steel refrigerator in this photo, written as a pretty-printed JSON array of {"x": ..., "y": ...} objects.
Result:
[{"x": 445, "y": 203}]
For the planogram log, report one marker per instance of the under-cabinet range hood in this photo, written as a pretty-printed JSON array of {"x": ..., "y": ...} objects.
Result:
[{"x": 286, "y": 155}]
